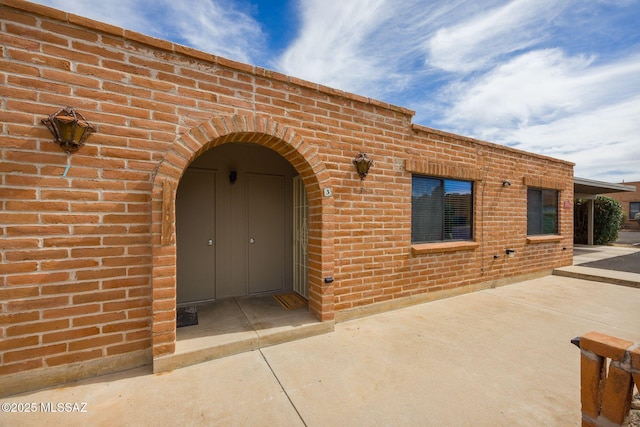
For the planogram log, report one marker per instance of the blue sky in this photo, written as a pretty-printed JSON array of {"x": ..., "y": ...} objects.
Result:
[{"x": 554, "y": 77}]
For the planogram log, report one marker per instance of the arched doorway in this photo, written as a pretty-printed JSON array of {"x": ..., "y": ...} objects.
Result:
[
  {"x": 265, "y": 132},
  {"x": 235, "y": 225}
]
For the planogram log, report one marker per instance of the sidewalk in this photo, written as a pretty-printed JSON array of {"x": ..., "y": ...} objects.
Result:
[
  {"x": 499, "y": 357},
  {"x": 589, "y": 254}
]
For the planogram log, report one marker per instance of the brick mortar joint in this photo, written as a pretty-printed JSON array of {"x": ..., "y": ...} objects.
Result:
[
  {"x": 625, "y": 363},
  {"x": 591, "y": 355},
  {"x": 601, "y": 421},
  {"x": 633, "y": 369}
]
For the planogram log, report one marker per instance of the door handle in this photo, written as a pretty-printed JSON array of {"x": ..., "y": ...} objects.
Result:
[
  {"x": 252, "y": 241},
  {"x": 210, "y": 242}
]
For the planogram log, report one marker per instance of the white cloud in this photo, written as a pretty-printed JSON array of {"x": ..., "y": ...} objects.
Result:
[
  {"x": 536, "y": 86},
  {"x": 217, "y": 28},
  {"x": 123, "y": 13},
  {"x": 557, "y": 78},
  {"x": 371, "y": 47},
  {"x": 209, "y": 25},
  {"x": 602, "y": 143},
  {"x": 568, "y": 107},
  {"x": 330, "y": 46},
  {"x": 474, "y": 43}
]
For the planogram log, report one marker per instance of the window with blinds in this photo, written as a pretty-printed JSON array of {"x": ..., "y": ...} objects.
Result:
[
  {"x": 441, "y": 209},
  {"x": 542, "y": 211},
  {"x": 634, "y": 209}
]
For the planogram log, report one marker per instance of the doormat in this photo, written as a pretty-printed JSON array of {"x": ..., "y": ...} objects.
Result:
[
  {"x": 186, "y": 316},
  {"x": 291, "y": 301}
]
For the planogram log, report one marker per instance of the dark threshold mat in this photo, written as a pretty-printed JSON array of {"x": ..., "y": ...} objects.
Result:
[{"x": 186, "y": 316}]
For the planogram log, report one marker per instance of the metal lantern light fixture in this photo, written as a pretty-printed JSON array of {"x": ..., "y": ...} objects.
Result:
[
  {"x": 362, "y": 162},
  {"x": 69, "y": 128}
]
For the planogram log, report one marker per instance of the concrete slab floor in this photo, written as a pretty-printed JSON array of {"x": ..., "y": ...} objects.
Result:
[
  {"x": 582, "y": 255},
  {"x": 236, "y": 325},
  {"x": 496, "y": 357}
]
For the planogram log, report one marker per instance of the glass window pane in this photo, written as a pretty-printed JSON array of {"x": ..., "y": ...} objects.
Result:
[
  {"x": 542, "y": 211},
  {"x": 534, "y": 209},
  {"x": 441, "y": 210},
  {"x": 458, "y": 210},
  {"x": 550, "y": 212},
  {"x": 427, "y": 213},
  {"x": 634, "y": 208}
]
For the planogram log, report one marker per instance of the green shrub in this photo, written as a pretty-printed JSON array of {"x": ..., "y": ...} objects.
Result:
[{"x": 606, "y": 222}]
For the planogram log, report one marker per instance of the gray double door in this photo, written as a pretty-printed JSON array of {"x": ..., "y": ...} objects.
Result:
[{"x": 231, "y": 237}]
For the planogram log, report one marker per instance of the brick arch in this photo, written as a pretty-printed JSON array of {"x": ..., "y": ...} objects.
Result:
[{"x": 217, "y": 131}]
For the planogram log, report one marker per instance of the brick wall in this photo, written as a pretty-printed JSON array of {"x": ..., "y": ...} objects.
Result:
[
  {"x": 87, "y": 260},
  {"x": 609, "y": 374}
]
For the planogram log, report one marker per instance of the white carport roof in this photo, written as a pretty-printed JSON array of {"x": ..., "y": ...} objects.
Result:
[{"x": 585, "y": 188}]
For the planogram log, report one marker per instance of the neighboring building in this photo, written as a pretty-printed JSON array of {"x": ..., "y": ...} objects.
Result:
[
  {"x": 241, "y": 160},
  {"x": 589, "y": 190},
  {"x": 630, "y": 202}
]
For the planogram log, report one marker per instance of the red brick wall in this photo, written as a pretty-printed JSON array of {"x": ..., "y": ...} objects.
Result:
[{"x": 87, "y": 261}]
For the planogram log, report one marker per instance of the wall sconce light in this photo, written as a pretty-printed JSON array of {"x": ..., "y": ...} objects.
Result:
[
  {"x": 362, "y": 162},
  {"x": 69, "y": 128},
  {"x": 506, "y": 183}
]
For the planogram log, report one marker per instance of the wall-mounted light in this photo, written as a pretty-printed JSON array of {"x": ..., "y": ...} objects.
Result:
[
  {"x": 69, "y": 128},
  {"x": 506, "y": 183},
  {"x": 362, "y": 162}
]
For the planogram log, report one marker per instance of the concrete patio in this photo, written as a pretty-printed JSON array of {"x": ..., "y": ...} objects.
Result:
[
  {"x": 496, "y": 357},
  {"x": 236, "y": 325},
  {"x": 588, "y": 254}
]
